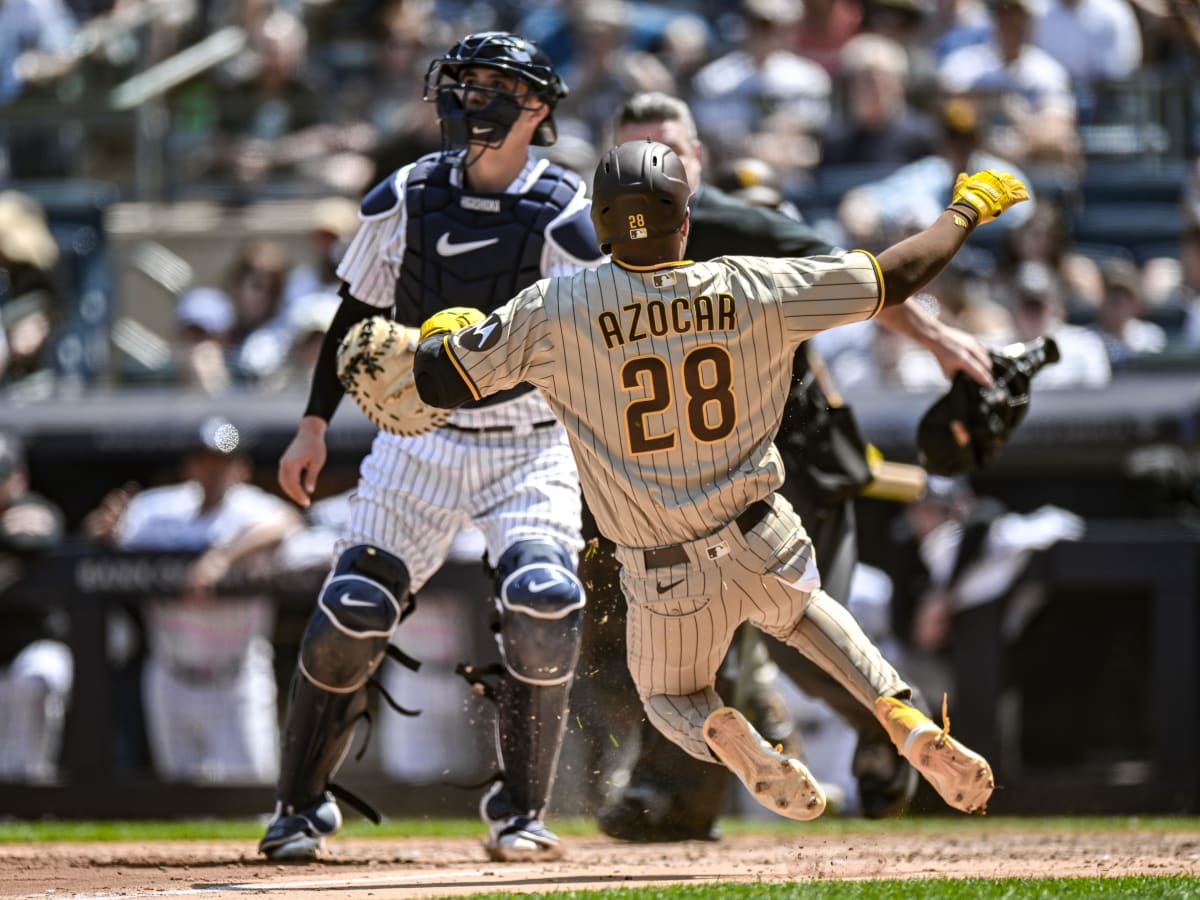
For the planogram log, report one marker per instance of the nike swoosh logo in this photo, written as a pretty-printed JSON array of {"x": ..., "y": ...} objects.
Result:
[
  {"x": 446, "y": 248},
  {"x": 538, "y": 586},
  {"x": 480, "y": 129},
  {"x": 347, "y": 600},
  {"x": 663, "y": 588}
]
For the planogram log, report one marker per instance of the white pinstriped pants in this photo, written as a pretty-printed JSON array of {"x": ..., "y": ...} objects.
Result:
[
  {"x": 682, "y": 619},
  {"x": 415, "y": 493}
]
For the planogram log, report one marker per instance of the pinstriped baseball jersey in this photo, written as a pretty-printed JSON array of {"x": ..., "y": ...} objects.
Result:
[
  {"x": 414, "y": 493},
  {"x": 670, "y": 380},
  {"x": 372, "y": 262},
  {"x": 375, "y": 261}
]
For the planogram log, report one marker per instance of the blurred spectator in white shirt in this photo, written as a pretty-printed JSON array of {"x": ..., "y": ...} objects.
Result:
[
  {"x": 1120, "y": 319},
  {"x": 1039, "y": 309},
  {"x": 204, "y": 319},
  {"x": 880, "y": 213},
  {"x": 1031, "y": 112},
  {"x": 334, "y": 221},
  {"x": 33, "y": 34},
  {"x": 761, "y": 99},
  {"x": 1092, "y": 39}
]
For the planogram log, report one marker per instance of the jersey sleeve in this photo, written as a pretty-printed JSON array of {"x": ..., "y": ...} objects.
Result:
[
  {"x": 822, "y": 292},
  {"x": 500, "y": 352},
  {"x": 371, "y": 263}
]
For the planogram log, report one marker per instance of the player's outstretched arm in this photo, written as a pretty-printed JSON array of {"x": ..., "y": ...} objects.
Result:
[
  {"x": 440, "y": 382},
  {"x": 911, "y": 264}
]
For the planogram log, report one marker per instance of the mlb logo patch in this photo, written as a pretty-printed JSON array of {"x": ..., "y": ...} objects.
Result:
[
  {"x": 663, "y": 279},
  {"x": 636, "y": 234},
  {"x": 716, "y": 551}
]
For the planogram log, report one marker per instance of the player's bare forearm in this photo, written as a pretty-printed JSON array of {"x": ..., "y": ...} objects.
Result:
[
  {"x": 955, "y": 350},
  {"x": 977, "y": 199},
  {"x": 439, "y": 382},
  {"x": 914, "y": 262}
]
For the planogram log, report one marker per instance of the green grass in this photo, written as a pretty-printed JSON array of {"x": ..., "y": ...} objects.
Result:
[
  {"x": 251, "y": 829},
  {"x": 1143, "y": 888}
]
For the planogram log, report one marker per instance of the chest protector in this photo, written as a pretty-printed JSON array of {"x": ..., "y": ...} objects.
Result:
[{"x": 465, "y": 249}]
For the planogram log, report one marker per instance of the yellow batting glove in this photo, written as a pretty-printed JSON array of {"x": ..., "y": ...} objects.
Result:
[
  {"x": 986, "y": 194},
  {"x": 450, "y": 320}
]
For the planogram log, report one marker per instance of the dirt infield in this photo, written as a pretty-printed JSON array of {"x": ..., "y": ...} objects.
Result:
[{"x": 446, "y": 867}]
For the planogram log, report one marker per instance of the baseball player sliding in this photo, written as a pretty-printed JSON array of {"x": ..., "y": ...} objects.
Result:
[{"x": 670, "y": 378}]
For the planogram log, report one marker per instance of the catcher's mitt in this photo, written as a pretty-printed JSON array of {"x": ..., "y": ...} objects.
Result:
[
  {"x": 375, "y": 364},
  {"x": 964, "y": 430}
]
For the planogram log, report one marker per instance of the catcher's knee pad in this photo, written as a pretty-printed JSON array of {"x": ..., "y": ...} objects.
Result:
[
  {"x": 540, "y": 604},
  {"x": 360, "y": 605}
]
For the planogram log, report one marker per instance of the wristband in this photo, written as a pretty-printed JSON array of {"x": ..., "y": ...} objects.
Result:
[{"x": 965, "y": 215}]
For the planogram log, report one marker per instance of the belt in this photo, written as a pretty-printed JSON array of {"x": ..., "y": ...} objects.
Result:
[
  {"x": 498, "y": 429},
  {"x": 663, "y": 557}
]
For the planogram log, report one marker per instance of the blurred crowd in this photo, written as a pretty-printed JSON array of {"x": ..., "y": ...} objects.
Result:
[{"x": 853, "y": 115}]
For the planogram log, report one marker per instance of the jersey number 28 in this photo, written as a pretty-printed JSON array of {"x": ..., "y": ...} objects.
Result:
[{"x": 707, "y": 377}]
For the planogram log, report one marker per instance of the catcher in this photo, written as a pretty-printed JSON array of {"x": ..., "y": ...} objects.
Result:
[{"x": 479, "y": 222}]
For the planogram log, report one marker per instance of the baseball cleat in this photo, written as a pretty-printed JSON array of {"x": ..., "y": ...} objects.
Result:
[
  {"x": 780, "y": 783},
  {"x": 961, "y": 776},
  {"x": 513, "y": 836},
  {"x": 522, "y": 839},
  {"x": 299, "y": 836}
]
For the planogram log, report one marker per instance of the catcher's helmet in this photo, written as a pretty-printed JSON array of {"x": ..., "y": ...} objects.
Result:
[
  {"x": 490, "y": 124},
  {"x": 640, "y": 191}
]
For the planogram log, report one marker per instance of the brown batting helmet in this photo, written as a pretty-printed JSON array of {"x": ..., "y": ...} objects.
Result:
[{"x": 640, "y": 191}]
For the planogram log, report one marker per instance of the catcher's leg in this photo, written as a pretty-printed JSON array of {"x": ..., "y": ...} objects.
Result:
[
  {"x": 359, "y": 607},
  {"x": 540, "y": 603}
]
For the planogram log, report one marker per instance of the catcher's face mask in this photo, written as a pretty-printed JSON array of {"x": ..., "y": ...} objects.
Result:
[
  {"x": 481, "y": 108},
  {"x": 476, "y": 105}
]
